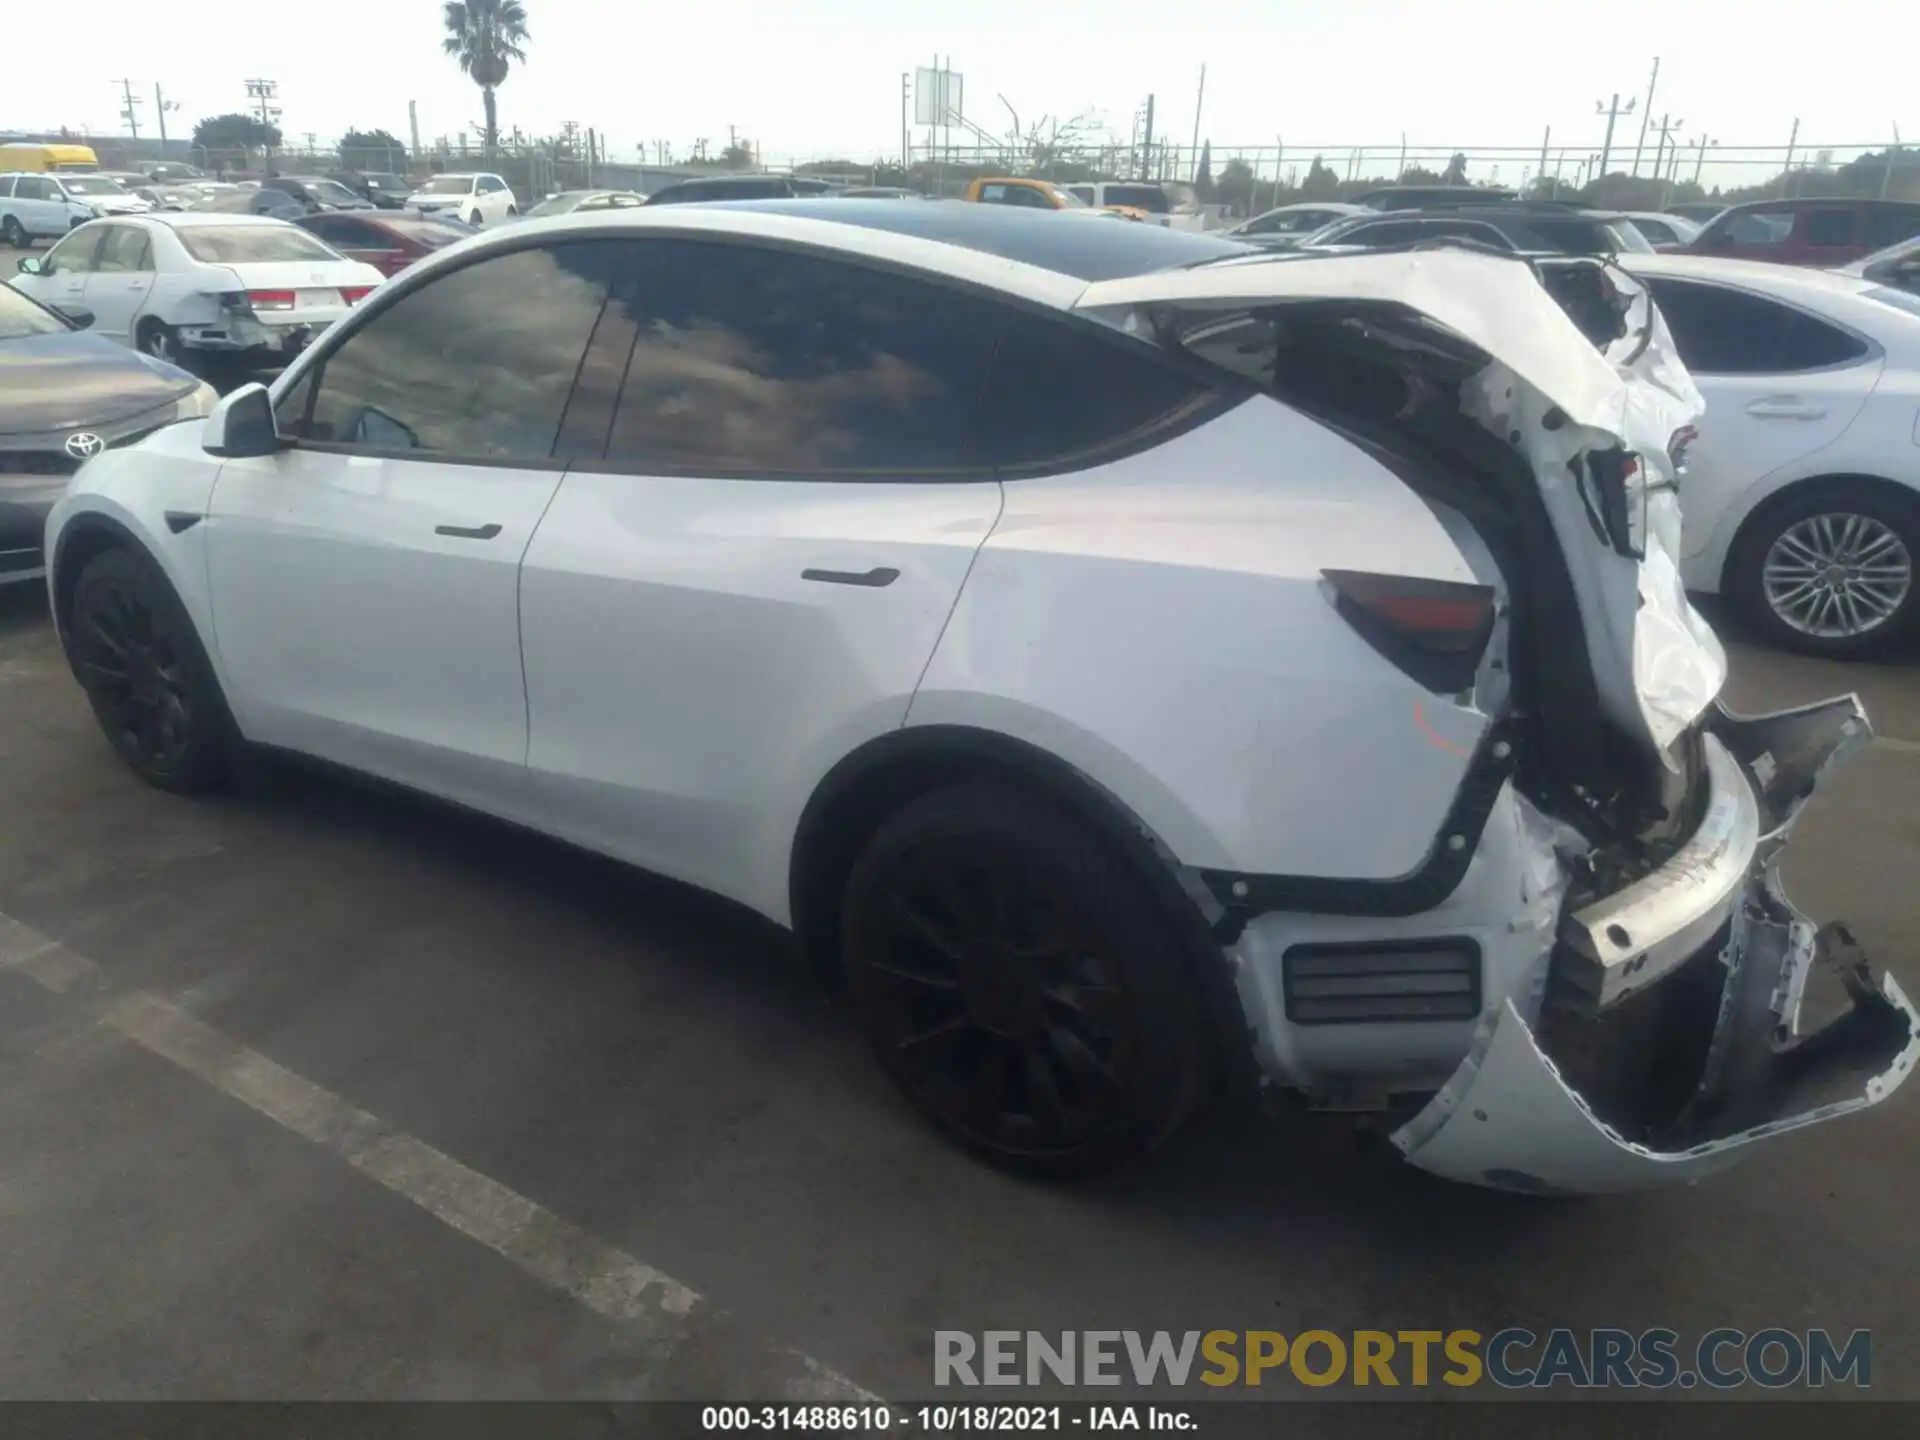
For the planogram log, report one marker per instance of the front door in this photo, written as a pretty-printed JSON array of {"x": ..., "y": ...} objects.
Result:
[
  {"x": 365, "y": 580},
  {"x": 62, "y": 276}
]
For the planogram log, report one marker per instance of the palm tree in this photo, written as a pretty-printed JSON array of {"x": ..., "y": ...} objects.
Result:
[{"x": 485, "y": 36}]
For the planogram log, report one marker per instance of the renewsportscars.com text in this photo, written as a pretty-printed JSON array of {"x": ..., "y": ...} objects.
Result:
[{"x": 1511, "y": 1358}]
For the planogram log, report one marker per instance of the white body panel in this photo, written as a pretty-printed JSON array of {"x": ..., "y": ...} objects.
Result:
[
  {"x": 688, "y": 687},
  {"x": 1176, "y": 646},
  {"x": 352, "y": 630}
]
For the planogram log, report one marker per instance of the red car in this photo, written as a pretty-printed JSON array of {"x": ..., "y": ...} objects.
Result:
[
  {"x": 385, "y": 241},
  {"x": 1807, "y": 232}
]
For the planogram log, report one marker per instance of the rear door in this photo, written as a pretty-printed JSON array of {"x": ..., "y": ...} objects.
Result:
[
  {"x": 1779, "y": 384},
  {"x": 41, "y": 206},
  {"x": 121, "y": 280},
  {"x": 1828, "y": 235},
  {"x": 751, "y": 580},
  {"x": 365, "y": 579}
]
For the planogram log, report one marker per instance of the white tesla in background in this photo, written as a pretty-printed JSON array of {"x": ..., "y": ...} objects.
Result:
[
  {"x": 1802, "y": 492},
  {"x": 200, "y": 283},
  {"x": 1134, "y": 661}
]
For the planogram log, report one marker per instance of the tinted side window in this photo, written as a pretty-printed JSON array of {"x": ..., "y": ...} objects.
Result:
[
  {"x": 350, "y": 234},
  {"x": 1757, "y": 227},
  {"x": 1890, "y": 227},
  {"x": 74, "y": 255},
  {"x": 761, "y": 360},
  {"x": 124, "y": 249},
  {"x": 452, "y": 371},
  {"x": 1729, "y": 332},
  {"x": 1829, "y": 227},
  {"x": 1061, "y": 390}
]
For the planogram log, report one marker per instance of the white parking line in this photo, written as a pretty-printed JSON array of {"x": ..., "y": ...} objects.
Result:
[
  {"x": 1904, "y": 747},
  {"x": 558, "y": 1254}
]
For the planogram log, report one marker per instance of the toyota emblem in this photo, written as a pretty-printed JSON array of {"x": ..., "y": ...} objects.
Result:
[{"x": 84, "y": 445}]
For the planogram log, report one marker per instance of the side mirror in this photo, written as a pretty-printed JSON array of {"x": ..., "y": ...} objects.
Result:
[
  {"x": 28, "y": 265},
  {"x": 77, "y": 316},
  {"x": 241, "y": 425}
]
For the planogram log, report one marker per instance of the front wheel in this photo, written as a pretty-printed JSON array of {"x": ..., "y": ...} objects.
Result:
[
  {"x": 474, "y": 219},
  {"x": 1018, "y": 984},
  {"x": 1831, "y": 571},
  {"x": 146, "y": 676}
]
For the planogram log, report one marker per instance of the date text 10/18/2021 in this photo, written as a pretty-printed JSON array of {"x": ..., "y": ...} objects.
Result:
[{"x": 945, "y": 1419}]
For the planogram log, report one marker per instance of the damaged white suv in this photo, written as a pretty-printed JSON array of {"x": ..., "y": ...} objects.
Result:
[{"x": 1134, "y": 662}]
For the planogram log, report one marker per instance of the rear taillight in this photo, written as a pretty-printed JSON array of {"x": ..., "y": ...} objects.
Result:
[
  {"x": 1436, "y": 631},
  {"x": 1679, "y": 447},
  {"x": 270, "y": 299},
  {"x": 354, "y": 294}
]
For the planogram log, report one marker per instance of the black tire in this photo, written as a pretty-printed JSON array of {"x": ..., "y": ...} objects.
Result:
[
  {"x": 1888, "y": 524},
  {"x": 141, "y": 664},
  {"x": 13, "y": 233},
  {"x": 474, "y": 219},
  {"x": 1018, "y": 984},
  {"x": 158, "y": 339}
]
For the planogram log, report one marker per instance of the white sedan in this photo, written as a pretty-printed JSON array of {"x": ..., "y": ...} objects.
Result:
[
  {"x": 200, "y": 283},
  {"x": 1802, "y": 491},
  {"x": 1124, "y": 690}
]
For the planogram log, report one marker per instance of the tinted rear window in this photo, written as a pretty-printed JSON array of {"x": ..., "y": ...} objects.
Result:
[
  {"x": 251, "y": 244},
  {"x": 1083, "y": 247},
  {"x": 1150, "y": 198}
]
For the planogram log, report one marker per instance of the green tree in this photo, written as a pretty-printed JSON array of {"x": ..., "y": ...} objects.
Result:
[
  {"x": 1203, "y": 177},
  {"x": 1235, "y": 185},
  {"x": 1456, "y": 171},
  {"x": 236, "y": 131},
  {"x": 371, "y": 150},
  {"x": 486, "y": 37},
  {"x": 1321, "y": 183}
]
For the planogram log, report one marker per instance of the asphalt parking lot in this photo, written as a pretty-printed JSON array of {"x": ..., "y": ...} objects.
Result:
[{"x": 317, "y": 1092}]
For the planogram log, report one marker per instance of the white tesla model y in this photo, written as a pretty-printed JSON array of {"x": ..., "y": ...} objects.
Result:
[{"x": 1138, "y": 662}]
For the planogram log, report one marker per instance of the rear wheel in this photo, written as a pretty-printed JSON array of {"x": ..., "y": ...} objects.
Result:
[
  {"x": 146, "y": 676},
  {"x": 156, "y": 338},
  {"x": 13, "y": 233},
  {"x": 1831, "y": 570},
  {"x": 1018, "y": 985}
]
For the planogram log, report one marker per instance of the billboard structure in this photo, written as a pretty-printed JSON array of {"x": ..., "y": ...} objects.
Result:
[{"x": 937, "y": 96}]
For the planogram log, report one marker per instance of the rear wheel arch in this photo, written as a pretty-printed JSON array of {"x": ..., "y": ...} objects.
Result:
[
  {"x": 1753, "y": 523},
  {"x": 875, "y": 781}
]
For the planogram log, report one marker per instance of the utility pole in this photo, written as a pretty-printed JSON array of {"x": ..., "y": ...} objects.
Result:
[
  {"x": 1545, "y": 141},
  {"x": 129, "y": 110},
  {"x": 1279, "y": 158},
  {"x": 1665, "y": 128},
  {"x": 1613, "y": 112},
  {"x": 1146, "y": 143},
  {"x": 262, "y": 94},
  {"x": 906, "y": 102},
  {"x": 1786, "y": 172},
  {"x": 1400, "y": 174},
  {"x": 413, "y": 128},
  {"x": 1886, "y": 171},
  {"x": 161, "y": 105},
  {"x": 1198, "y": 101},
  {"x": 1700, "y": 159},
  {"x": 1646, "y": 115}
]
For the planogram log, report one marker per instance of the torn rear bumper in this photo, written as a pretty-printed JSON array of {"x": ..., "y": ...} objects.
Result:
[{"x": 1674, "y": 1034}]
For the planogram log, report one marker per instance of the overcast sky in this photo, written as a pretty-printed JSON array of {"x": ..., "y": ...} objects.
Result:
[{"x": 811, "y": 80}]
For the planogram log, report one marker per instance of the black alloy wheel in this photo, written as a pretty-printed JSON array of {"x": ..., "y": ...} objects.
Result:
[
  {"x": 1018, "y": 986},
  {"x": 135, "y": 653}
]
